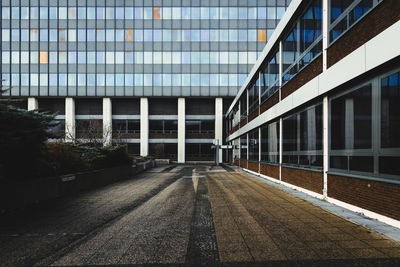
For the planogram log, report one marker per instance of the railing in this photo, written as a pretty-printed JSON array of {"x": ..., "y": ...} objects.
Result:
[
  {"x": 126, "y": 131},
  {"x": 303, "y": 60},
  {"x": 349, "y": 17},
  {"x": 163, "y": 131},
  {"x": 201, "y": 132}
]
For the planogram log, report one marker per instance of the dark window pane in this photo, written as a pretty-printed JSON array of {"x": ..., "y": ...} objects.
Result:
[
  {"x": 119, "y": 126},
  {"x": 253, "y": 145},
  {"x": 171, "y": 126},
  {"x": 390, "y": 112},
  {"x": 156, "y": 126},
  {"x": 311, "y": 129},
  {"x": 207, "y": 126},
  {"x": 351, "y": 120},
  {"x": 290, "y": 159},
  {"x": 290, "y": 133},
  {"x": 253, "y": 97},
  {"x": 359, "y": 10},
  {"x": 362, "y": 164},
  {"x": 243, "y": 147},
  {"x": 133, "y": 149},
  {"x": 337, "y": 8},
  {"x": 311, "y": 25},
  {"x": 389, "y": 165},
  {"x": 339, "y": 162},
  {"x": 193, "y": 126},
  {"x": 133, "y": 126},
  {"x": 270, "y": 142},
  {"x": 243, "y": 106}
]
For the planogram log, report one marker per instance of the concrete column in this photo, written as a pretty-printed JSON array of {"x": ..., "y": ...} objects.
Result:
[
  {"x": 181, "y": 130},
  {"x": 325, "y": 33},
  {"x": 70, "y": 119},
  {"x": 280, "y": 69},
  {"x": 32, "y": 103},
  {"x": 280, "y": 147},
  {"x": 144, "y": 126},
  {"x": 107, "y": 121},
  {"x": 325, "y": 133},
  {"x": 219, "y": 124}
]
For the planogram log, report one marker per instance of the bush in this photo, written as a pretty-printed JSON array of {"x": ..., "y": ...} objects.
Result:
[
  {"x": 69, "y": 158},
  {"x": 64, "y": 158},
  {"x": 25, "y": 154},
  {"x": 22, "y": 141},
  {"x": 103, "y": 157}
]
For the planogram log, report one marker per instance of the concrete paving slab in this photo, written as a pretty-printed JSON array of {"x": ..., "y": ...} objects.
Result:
[{"x": 286, "y": 225}]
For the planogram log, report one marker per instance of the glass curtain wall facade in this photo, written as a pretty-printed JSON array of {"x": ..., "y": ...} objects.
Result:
[{"x": 132, "y": 48}]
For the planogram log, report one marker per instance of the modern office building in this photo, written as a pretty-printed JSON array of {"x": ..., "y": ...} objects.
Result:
[
  {"x": 157, "y": 75},
  {"x": 320, "y": 109}
]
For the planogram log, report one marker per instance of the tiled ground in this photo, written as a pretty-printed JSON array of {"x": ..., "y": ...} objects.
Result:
[{"x": 255, "y": 221}]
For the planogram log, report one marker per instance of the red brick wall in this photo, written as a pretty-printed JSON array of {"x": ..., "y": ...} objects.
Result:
[
  {"x": 253, "y": 115},
  {"x": 252, "y": 166},
  {"x": 236, "y": 162},
  {"x": 304, "y": 76},
  {"x": 269, "y": 170},
  {"x": 162, "y": 136},
  {"x": 310, "y": 180},
  {"x": 379, "y": 197},
  {"x": 234, "y": 129},
  {"x": 273, "y": 100},
  {"x": 125, "y": 135},
  {"x": 243, "y": 164},
  {"x": 379, "y": 19},
  {"x": 243, "y": 123}
]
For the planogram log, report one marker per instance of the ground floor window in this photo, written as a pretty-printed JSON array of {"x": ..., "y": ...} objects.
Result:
[
  {"x": 196, "y": 152},
  {"x": 133, "y": 148},
  {"x": 243, "y": 147},
  {"x": 163, "y": 126},
  {"x": 302, "y": 138},
  {"x": 270, "y": 142},
  {"x": 254, "y": 143},
  {"x": 365, "y": 129},
  {"x": 164, "y": 150},
  {"x": 89, "y": 129}
]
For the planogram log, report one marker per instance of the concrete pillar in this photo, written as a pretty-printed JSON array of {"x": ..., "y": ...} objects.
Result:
[
  {"x": 33, "y": 103},
  {"x": 280, "y": 69},
  {"x": 70, "y": 119},
  {"x": 219, "y": 124},
  {"x": 181, "y": 130},
  {"x": 144, "y": 126},
  {"x": 107, "y": 121},
  {"x": 325, "y": 134},
  {"x": 325, "y": 33},
  {"x": 280, "y": 147}
]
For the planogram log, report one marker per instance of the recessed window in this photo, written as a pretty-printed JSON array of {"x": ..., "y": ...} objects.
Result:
[
  {"x": 262, "y": 35},
  {"x": 44, "y": 57}
]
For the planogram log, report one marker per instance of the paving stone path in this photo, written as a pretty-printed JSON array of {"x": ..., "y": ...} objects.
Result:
[
  {"x": 255, "y": 221},
  {"x": 189, "y": 216}
]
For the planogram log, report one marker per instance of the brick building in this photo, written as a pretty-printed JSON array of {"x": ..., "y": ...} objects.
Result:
[{"x": 320, "y": 109}]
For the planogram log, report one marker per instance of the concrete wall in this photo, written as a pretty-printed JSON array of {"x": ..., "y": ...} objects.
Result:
[{"x": 16, "y": 195}]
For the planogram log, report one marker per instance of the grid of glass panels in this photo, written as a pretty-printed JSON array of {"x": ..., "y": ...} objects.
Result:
[
  {"x": 364, "y": 123},
  {"x": 132, "y": 48},
  {"x": 345, "y": 13}
]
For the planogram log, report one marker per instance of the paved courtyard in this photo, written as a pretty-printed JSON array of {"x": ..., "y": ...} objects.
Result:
[{"x": 189, "y": 215}]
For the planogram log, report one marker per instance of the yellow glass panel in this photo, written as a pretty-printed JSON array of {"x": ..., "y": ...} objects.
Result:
[
  {"x": 62, "y": 35},
  {"x": 129, "y": 35},
  {"x": 262, "y": 35},
  {"x": 156, "y": 13},
  {"x": 44, "y": 57}
]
